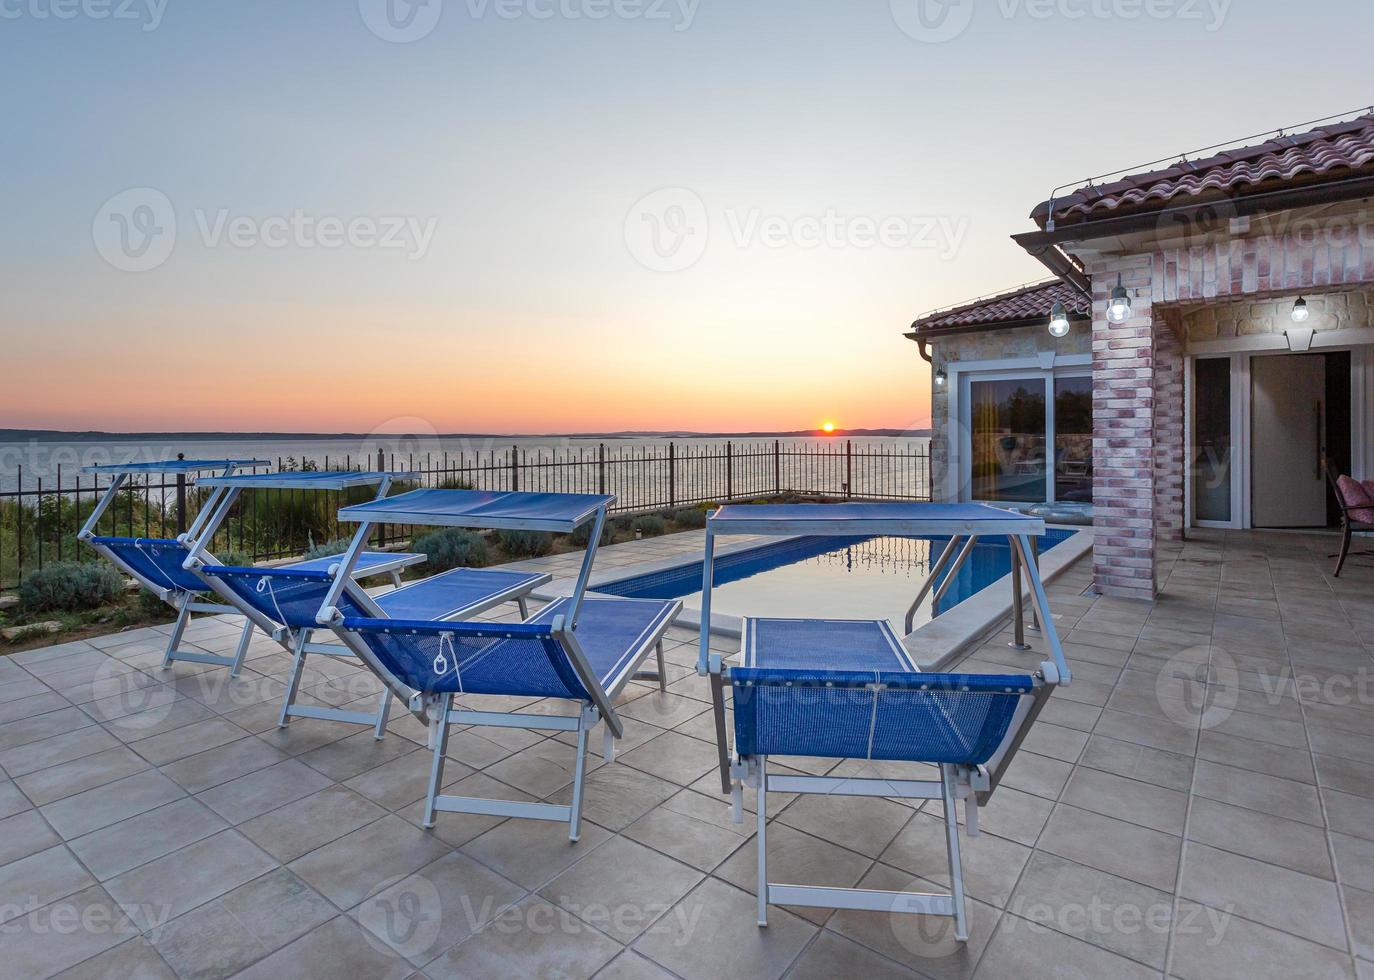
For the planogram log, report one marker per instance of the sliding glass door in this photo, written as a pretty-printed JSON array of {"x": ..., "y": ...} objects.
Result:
[
  {"x": 1073, "y": 439},
  {"x": 1008, "y": 434},
  {"x": 1029, "y": 438}
]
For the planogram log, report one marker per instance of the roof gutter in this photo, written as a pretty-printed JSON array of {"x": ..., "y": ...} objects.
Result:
[
  {"x": 1054, "y": 259},
  {"x": 1334, "y": 192},
  {"x": 923, "y": 335}
]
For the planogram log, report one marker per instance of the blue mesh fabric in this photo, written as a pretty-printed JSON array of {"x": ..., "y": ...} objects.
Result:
[
  {"x": 518, "y": 659},
  {"x": 287, "y": 596},
  {"x": 950, "y": 718},
  {"x": 156, "y": 559},
  {"x": 829, "y": 644},
  {"x": 366, "y": 559},
  {"x": 449, "y": 593}
]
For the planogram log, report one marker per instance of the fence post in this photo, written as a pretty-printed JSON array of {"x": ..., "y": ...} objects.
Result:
[
  {"x": 672, "y": 475},
  {"x": 848, "y": 469},
  {"x": 514, "y": 468},
  {"x": 181, "y": 499},
  {"x": 729, "y": 471},
  {"x": 777, "y": 467},
  {"x": 381, "y": 461},
  {"x": 601, "y": 468}
]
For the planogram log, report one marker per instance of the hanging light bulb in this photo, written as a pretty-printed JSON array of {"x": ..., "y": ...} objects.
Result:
[
  {"x": 1119, "y": 308},
  {"x": 1300, "y": 311},
  {"x": 1059, "y": 320},
  {"x": 941, "y": 378}
]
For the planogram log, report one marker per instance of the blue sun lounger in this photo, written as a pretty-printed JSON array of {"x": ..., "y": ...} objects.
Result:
[
  {"x": 583, "y": 649},
  {"x": 283, "y": 601},
  {"x": 848, "y": 689},
  {"x": 159, "y": 564}
]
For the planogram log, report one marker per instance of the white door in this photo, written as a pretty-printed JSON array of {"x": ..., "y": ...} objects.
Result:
[{"x": 1288, "y": 418}]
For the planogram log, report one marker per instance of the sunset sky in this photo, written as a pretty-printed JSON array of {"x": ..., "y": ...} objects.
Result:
[{"x": 516, "y": 150}]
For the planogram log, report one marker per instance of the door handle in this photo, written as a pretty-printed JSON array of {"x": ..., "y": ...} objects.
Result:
[{"x": 1317, "y": 413}]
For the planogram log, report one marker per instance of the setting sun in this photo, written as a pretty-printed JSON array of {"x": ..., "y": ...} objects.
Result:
[{"x": 828, "y": 427}]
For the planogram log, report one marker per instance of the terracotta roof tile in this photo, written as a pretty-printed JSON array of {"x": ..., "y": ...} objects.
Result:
[
  {"x": 1008, "y": 309},
  {"x": 1327, "y": 152}
]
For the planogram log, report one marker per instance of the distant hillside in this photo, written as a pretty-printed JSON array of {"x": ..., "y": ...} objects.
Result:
[{"x": 56, "y": 435}]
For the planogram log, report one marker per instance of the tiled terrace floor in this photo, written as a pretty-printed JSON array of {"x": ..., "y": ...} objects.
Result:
[{"x": 158, "y": 824}]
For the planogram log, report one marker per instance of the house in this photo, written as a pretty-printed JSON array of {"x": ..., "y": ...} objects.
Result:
[{"x": 1213, "y": 341}]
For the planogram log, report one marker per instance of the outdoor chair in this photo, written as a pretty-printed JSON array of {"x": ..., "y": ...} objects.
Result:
[
  {"x": 1356, "y": 501},
  {"x": 845, "y": 689},
  {"x": 849, "y": 689},
  {"x": 583, "y": 649},
  {"x": 283, "y": 601},
  {"x": 158, "y": 564}
]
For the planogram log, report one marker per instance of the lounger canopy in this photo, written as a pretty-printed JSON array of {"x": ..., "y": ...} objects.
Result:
[
  {"x": 558, "y": 512},
  {"x": 173, "y": 466},
  {"x": 580, "y": 648},
  {"x": 866, "y": 519},
  {"x": 304, "y": 480}
]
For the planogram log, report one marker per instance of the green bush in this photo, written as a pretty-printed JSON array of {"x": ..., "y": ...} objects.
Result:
[
  {"x": 69, "y": 587},
  {"x": 525, "y": 544},
  {"x": 690, "y": 517},
  {"x": 583, "y": 535},
  {"x": 650, "y": 525},
  {"x": 336, "y": 547},
  {"x": 451, "y": 548},
  {"x": 454, "y": 483}
]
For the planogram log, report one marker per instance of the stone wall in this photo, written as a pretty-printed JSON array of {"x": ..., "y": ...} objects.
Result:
[{"x": 1261, "y": 317}]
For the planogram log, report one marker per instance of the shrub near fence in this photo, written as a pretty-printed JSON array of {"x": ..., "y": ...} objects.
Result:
[{"x": 39, "y": 524}]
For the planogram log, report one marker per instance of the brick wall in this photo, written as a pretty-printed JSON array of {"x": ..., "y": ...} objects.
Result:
[
  {"x": 1123, "y": 433},
  {"x": 1170, "y": 465}
]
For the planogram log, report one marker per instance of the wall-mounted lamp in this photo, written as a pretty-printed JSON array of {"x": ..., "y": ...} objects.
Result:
[
  {"x": 1300, "y": 311},
  {"x": 1059, "y": 320},
  {"x": 941, "y": 378},
  {"x": 1119, "y": 308},
  {"x": 1299, "y": 339}
]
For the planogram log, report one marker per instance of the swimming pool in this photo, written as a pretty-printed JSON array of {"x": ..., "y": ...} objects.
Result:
[{"x": 849, "y": 578}]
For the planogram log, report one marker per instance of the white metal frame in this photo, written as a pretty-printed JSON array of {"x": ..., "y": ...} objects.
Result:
[
  {"x": 973, "y": 785},
  {"x": 185, "y": 603},
  {"x": 438, "y": 711}
]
